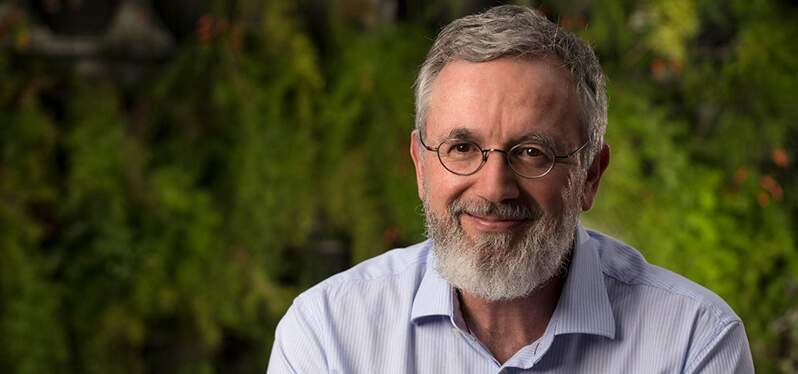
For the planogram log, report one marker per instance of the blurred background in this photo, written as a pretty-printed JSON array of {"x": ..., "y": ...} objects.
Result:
[{"x": 173, "y": 173}]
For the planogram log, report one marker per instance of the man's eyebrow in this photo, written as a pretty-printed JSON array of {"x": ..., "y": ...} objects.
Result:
[
  {"x": 463, "y": 133},
  {"x": 538, "y": 138},
  {"x": 460, "y": 133}
]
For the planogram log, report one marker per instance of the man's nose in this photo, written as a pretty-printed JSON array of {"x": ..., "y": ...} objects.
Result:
[{"x": 496, "y": 182}]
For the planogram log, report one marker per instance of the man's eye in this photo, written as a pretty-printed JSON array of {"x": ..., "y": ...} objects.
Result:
[
  {"x": 529, "y": 152},
  {"x": 464, "y": 148}
]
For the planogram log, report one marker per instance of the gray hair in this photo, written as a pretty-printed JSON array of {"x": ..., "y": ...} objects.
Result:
[{"x": 517, "y": 31}]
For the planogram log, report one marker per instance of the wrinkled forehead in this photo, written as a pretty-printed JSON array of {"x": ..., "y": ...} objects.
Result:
[{"x": 505, "y": 99}]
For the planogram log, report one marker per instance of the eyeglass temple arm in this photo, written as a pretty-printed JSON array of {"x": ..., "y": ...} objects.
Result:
[
  {"x": 575, "y": 151},
  {"x": 424, "y": 144}
]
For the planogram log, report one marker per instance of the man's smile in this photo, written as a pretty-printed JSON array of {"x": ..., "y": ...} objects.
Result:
[{"x": 492, "y": 223}]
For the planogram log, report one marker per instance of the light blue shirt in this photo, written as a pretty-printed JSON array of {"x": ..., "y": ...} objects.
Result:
[{"x": 616, "y": 314}]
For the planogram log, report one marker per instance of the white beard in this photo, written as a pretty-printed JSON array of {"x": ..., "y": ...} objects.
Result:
[{"x": 504, "y": 266}]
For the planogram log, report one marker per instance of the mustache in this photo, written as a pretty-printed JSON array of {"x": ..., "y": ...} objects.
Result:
[{"x": 511, "y": 210}]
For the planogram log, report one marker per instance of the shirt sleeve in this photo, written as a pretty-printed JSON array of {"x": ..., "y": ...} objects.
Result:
[
  {"x": 297, "y": 345},
  {"x": 726, "y": 352}
]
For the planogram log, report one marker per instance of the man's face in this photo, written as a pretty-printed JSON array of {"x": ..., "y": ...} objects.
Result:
[{"x": 499, "y": 235}]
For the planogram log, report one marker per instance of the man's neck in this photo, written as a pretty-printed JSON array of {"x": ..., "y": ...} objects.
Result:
[{"x": 504, "y": 327}]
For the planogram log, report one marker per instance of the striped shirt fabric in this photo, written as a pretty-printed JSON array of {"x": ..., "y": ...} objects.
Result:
[{"x": 616, "y": 314}]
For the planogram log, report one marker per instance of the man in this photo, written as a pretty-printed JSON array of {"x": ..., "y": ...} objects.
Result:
[{"x": 508, "y": 148}]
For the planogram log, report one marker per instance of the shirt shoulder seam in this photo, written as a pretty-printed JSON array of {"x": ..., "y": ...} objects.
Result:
[
  {"x": 311, "y": 311},
  {"x": 708, "y": 340},
  {"x": 332, "y": 285},
  {"x": 721, "y": 317}
]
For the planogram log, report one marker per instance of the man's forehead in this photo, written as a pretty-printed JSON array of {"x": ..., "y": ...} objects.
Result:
[{"x": 505, "y": 100}]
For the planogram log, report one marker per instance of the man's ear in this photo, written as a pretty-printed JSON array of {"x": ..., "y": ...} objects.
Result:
[
  {"x": 416, "y": 156},
  {"x": 594, "y": 173}
]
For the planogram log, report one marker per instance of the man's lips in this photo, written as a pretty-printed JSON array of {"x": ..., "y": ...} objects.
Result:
[{"x": 489, "y": 223}]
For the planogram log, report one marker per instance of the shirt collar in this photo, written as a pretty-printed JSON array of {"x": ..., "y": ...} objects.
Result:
[
  {"x": 434, "y": 295},
  {"x": 584, "y": 306}
]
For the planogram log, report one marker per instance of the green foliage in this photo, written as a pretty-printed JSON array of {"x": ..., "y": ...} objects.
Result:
[
  {"x": 368, "y": 178},
  {"x": 33, "y": 339},
  {"x": 167, "y": 226}
]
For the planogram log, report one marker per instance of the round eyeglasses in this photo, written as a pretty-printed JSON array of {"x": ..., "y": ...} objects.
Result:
[{"x": 528, "y": 159}]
